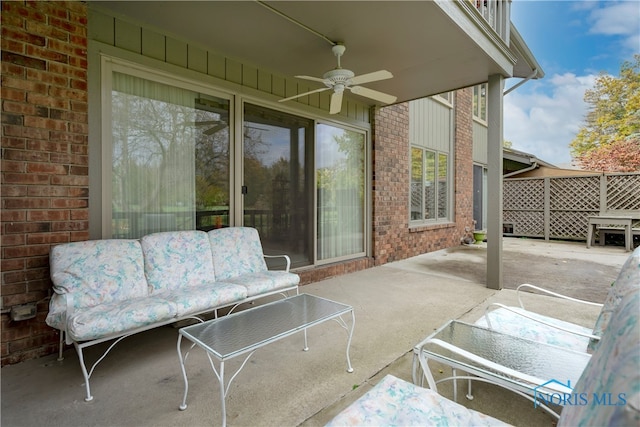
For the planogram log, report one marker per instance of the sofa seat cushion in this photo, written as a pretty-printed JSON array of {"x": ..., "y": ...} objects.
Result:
[
  {"x": 265, "y": 282},
  {"x": 119, "y": 316},
  {"x": 510, "y": 323},
  {"x": 395, "y": 402},
  {"x": 177, "y": 259},
  {"x": 207, "y": 297}
]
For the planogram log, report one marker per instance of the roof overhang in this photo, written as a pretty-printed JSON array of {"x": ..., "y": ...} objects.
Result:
[{"x": 430, "y": 46}]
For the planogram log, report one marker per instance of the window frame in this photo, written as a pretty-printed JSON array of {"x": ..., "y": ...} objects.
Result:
[
  {"x": 479, "y": 105},
  {"x": 448, "y": 192}
]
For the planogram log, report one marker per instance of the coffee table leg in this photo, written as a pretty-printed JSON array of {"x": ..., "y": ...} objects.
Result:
[
  {"x": 353, "y": 324},
  {"x": 223, "y": 395}
]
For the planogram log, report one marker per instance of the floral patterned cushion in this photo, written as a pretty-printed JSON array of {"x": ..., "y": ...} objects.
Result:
[
  {"x": 612, "y": 374},
  {"x": 511, "y": 323},
  {"x": 236, "y": 251},
  {"x": 197, "y": 299},
  {"x": 394, "y": 402},
  {"x": 118, "y": 316},
  {"x": 627, "y": 281},
  {"x": 177, "y": 259},
  {"x": 266, "y": 281},
  {"x": 94, "y": 272}
]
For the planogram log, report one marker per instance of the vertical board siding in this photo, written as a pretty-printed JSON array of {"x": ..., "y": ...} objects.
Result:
[
  {"x": 197, "y": 59},
  {"x": 153, "y": 45},
  {"x": 128, "y": 36},
  {"x": 176, "y": 52},
  {"x": 113, "y": 31},
  {"x": 480, "y": 142},
  {"x": 430, "y": 124},
  {"x": 101, "y": 27}
]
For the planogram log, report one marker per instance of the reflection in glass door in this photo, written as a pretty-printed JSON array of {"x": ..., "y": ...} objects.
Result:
[{"x": 277, "y": 182}]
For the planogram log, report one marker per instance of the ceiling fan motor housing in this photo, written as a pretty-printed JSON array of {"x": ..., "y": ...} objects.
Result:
[{"x": 339, "y": 75}]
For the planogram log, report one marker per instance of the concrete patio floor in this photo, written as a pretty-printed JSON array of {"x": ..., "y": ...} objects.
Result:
[{"x": 396, "y": 305}]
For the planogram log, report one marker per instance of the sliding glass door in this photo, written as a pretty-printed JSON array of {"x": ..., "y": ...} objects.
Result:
[
  {"x": 278, "y": 181},
  {"x": 340, "y": 174}
]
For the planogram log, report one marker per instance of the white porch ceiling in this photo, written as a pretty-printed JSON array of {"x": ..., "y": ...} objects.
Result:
[{"x": 428, "y": 49}]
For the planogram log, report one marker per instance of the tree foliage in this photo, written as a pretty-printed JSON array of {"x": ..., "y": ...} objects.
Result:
[
  {"x": 610, "y": 137},
  {"x": 619, "y": 156}
]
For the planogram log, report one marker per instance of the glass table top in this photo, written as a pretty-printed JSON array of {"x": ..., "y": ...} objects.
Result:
[
  {"x": 237, "y": 333},
  {"x": 510, "y": 357}
]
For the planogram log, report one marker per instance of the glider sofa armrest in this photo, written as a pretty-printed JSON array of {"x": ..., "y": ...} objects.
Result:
[{"x": 286, "y": 257}]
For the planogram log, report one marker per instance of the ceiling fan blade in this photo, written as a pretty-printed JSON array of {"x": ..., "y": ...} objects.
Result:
[
  {"x": 303, "y": 94},
  {"x": 371, "y": 77},
  {"x": 215, "y": 129},
  {"x": 315, "y": 79},
  {"x": 373, "y": 94},
  {"x": 336, "y": 103}
]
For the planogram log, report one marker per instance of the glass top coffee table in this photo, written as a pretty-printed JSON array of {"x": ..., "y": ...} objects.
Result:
[
  {"x": 532, "y": 369},
  {"x": 246, "y": 331}
]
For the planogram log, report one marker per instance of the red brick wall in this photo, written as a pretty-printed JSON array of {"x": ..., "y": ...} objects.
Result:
[
  {"x": 44, "y": 158},
  {"x": 392, "y": 238}
]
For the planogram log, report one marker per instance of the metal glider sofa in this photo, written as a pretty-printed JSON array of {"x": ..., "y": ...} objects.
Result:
[{"x": 111, "y": 289}]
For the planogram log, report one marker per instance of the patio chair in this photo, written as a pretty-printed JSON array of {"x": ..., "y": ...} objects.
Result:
[
  {"x": 521, "y": 322},
  {"x": 607, "y": 393}
]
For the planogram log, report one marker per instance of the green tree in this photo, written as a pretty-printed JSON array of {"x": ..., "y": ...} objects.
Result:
[{"x": 613, "y": 116}]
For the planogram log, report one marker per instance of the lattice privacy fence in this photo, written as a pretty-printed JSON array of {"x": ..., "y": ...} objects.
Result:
[{"x": 559, "y": 208}]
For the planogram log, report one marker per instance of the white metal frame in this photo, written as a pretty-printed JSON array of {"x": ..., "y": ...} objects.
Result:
[{"x": 251, "y": 349}]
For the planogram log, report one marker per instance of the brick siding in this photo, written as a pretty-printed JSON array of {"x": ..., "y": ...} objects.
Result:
[
  {"x": 393, "y": 240},
  {"x": 44, "y": 158}
]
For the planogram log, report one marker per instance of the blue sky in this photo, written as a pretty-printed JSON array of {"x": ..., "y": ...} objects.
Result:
[{"x": 573, "y": 42}]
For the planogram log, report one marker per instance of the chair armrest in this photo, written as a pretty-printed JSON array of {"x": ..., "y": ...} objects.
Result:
[
  {"x": 286, "y": 257},
  {"x": 535, "y": 319},
  {"x": 548, "y": 292}
]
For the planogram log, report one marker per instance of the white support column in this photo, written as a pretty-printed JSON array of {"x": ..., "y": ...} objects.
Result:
[{"x": 494, "y": 181}]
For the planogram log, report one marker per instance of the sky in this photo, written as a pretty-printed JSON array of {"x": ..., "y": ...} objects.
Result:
[{"x": 573, "y": 41}]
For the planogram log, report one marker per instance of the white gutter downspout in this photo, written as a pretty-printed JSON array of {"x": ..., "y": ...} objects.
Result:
[{"x": 521, "y": 82}]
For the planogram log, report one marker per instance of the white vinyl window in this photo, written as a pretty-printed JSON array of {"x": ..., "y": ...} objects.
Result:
[
  {"x": 429, "y": 185},
  {"x": 480, "y": 102}
]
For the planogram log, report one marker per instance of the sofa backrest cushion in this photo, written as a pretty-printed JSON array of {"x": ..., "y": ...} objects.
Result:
[
  {"x": 609, "y": 388},
  {"x": 177, "y": 259},
  {"x": 627, "y": 281},
  {"x": 236, "y": 251},
  {"x": 94, "y": 272}
]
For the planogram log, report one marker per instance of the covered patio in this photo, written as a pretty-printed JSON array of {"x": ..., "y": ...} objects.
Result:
[{"x": 396, "y": 305}]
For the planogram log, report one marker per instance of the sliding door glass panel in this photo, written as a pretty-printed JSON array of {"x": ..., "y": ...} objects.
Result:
[
  {"x": 340, "y": 176},
  {"x": 278, "y": 181},
  {"x": 170, "y": 158}
]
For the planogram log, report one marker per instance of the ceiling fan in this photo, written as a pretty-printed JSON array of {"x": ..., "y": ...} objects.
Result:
[{"x": 340, "y": 79}]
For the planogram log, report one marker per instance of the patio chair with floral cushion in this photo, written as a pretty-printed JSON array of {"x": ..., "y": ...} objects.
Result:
[
  {"x": 521, "y": 322},
  {"x": 607, "y": 393}
]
